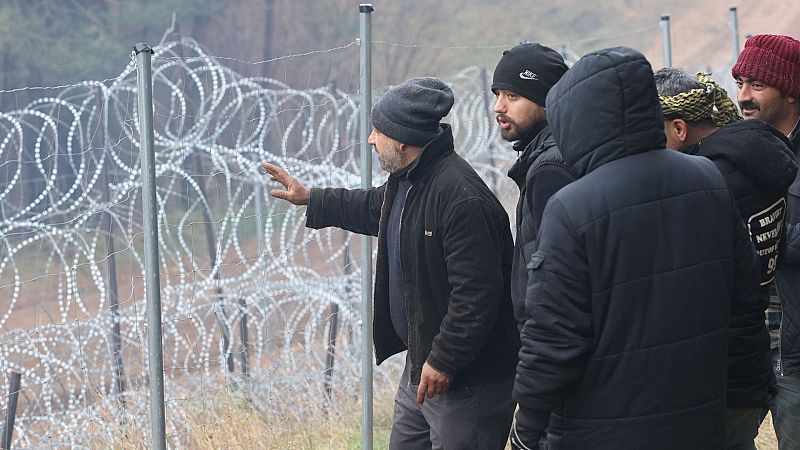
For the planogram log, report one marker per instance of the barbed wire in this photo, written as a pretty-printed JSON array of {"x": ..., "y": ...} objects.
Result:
[{"x": 71, "y": 227}]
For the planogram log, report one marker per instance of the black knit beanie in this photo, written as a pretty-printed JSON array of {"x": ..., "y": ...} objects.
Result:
[
  {"x": 410, "y": 112},
  {"x": 529, "y": 70}
]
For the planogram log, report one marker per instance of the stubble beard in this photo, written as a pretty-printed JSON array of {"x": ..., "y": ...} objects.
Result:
[
  {"x": 519, "y": 130},
  {"x": 391, "y": 160}
]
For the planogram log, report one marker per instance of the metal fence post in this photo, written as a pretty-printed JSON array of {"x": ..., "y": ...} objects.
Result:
[
  {"x": 333, "y": 334},
  {"x": 734, "y": 33},
  {"x": 11, "y": 410},
  {"x": 489, "y": 108},
  {"x": 365, "y": 10},
  {"x": 244, "y": 337},
  {"x": 144, "y": 82},
  {"x": 118, "y": 375},
  {"x": 259, "y": 192},
  {"x": 219, "y": 306},
  {"x": 667, "y": 41}
]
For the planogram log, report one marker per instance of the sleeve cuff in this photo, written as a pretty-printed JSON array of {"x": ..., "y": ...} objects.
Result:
[
  {"x": 314, "y": 204},
  {"x": 530, "y": 424},
  {"x": 443, "y": 368}
]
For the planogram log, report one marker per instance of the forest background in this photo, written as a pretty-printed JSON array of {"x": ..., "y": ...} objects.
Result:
[{"x": 46, "y": 43}]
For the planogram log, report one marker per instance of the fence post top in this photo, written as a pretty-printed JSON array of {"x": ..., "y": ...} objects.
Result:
[{"x": 142, "y": 47}]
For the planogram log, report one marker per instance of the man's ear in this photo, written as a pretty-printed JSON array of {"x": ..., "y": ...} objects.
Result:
[
  {"x": 790, "y": 99},
  {"x": 680, "y": 128}
]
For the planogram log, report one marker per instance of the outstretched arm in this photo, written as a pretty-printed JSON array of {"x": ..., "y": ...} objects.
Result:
[{"x": 356, "y": 210}]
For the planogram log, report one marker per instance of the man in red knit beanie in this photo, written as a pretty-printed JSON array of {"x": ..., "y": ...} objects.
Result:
[{"x": 768, "y": 75}]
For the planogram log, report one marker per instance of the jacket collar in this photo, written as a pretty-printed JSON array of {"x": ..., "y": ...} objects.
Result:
[
  {"x": 529, "y": 152},
  {"x": 691, "y": 149},
  {"x": 756, "y": 149},
  {"x": 435, "y": 150},
  {"x": 794, "y": 137},
  {"x": 524, "y": 143}
]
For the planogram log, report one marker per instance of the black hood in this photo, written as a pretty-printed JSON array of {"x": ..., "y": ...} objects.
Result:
[
  {"x": 758, "y": 150},
  {"x": 605, "y": 107}
]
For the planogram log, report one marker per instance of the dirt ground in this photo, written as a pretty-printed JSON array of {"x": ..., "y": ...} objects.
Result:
[{"x": 766, "y": 436}]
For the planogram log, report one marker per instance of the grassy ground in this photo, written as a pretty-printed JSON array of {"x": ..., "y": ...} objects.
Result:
[{"x": 230, "y": 422}]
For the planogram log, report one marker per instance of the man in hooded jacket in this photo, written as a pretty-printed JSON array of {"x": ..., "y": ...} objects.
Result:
[
  {"x": 641, "y": 262},
  {"x": 758, "y": 167}
]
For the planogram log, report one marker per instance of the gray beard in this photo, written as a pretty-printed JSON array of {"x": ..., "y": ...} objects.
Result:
[{"x": 390, "y": 161}]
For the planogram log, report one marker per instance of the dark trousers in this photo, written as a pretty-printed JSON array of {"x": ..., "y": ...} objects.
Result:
[
  {"x": 477, "y": 416},
  {"x": 742, "y": 427},
  {"x": 785, "y": 408}
]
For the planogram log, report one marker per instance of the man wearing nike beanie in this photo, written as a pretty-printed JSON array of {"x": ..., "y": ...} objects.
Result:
[
  {"x": 522, "y": 79},
  {"x": 767, "y": 73}
]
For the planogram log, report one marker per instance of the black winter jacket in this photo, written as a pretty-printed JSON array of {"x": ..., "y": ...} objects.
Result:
[
  {"x": 539, "y": 173},
  {"x": 455, "y": 251},
  {"x": 758, "y": 167},
  {"x": 788, "y": 277},
  {"x": 640, "y": 264}
]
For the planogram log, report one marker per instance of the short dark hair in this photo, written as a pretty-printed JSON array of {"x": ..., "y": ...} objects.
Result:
[{"x": 671, "y": 81}]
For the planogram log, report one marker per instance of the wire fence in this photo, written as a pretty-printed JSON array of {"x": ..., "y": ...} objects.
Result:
[
  {"x": 255, "y": 306},
  {"x": 253, "y": 302}
]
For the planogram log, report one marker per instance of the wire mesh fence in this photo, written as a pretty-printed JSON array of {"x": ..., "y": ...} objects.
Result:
[
  {"x": 255, "y": 306},
  {"x": 260, "y": 315}
]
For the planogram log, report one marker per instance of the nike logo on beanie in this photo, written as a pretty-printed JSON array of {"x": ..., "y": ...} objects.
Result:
[{"x": 528, "y": 75}]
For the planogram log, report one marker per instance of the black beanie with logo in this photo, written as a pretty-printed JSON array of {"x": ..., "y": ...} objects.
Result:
[{"x": 529, "y": 70}]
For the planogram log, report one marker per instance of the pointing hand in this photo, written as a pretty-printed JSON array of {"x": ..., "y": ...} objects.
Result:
[{"x": 293, "y": 191}]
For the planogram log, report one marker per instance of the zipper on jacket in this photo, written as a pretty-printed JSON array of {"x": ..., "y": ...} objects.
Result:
[
  {"x": 780, "y": 333},
  {"x": 779, "y": 364},
  {"x": 405, "y": 302}
]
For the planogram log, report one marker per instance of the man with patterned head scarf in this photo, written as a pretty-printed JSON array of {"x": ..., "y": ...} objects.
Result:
[
  {"x": 700, "y": 119},
  {"x": 693, "y": 106}
]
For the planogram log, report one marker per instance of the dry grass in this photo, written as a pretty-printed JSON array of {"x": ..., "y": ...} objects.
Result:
[
  {"x": 225, "y": 418},
  {"x": 228, "y": 420}
]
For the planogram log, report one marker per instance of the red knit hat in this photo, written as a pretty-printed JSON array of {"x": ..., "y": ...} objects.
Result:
[{"x": 773, "y": 59}]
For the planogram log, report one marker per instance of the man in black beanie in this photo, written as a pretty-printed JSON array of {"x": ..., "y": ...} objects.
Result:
[
  {"x": 442, "y": 273},
  {"x": 522, "y": 79}
]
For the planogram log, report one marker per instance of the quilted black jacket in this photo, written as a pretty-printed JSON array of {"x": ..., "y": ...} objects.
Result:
[
  {"x": 642, "y": 262},
  {"x": 455, "y": 256},
  {"x": 788, "y": 277}
]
